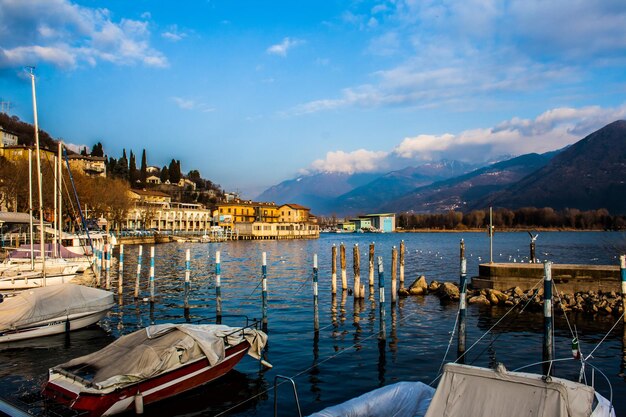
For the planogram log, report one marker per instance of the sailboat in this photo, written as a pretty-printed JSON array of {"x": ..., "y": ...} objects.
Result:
[{"x": 40, "y": 271}]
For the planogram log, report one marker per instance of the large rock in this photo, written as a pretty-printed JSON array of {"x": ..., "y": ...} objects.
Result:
[
  {"x": 419, "y": 286},
  {"x": 497, "y": 297},
  {"x": 434, "y": 286},
  {"x": 448, "y": 291},
  {"x": 480, "y": 300}
]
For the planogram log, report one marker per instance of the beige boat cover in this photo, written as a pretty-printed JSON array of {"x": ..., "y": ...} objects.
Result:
[
  {"x": 470, "y": 391},
  {"x": 157, "y": 349},
  {"x": 30, "y": 307}
]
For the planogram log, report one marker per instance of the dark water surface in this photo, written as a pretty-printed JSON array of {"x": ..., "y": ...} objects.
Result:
[{"x": 346, "y": 357}]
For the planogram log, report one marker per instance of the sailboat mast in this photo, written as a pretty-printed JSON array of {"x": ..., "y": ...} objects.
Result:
[
  {"x": 56, "y": 211},
  {"x": 30, "y": 208},
  {"x": 60, "y": 190},
  {"x": 39, "y": 179}
]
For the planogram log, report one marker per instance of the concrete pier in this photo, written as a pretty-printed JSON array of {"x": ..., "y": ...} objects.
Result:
[{"x": 569, "y": 278}]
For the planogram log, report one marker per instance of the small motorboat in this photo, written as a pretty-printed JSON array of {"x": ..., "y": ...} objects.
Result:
[
  {"x": 150, "y": 365},
  {"x": 51, "y": 310},
  {"x": 472, "y": 391}
]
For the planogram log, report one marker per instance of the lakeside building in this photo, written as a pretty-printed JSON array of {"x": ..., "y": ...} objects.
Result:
[
  {"x": 7, "y": 138},
  {"x": 155, "y": 210},
  {"x": 93, "y": 166},
  {"x": 384, "y": 222},
  {"x": 260, "y": 220}
]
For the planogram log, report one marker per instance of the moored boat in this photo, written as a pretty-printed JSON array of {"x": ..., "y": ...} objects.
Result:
[
  {"x": 150, "y": 365},
  {"x": 51, "y": 310}
]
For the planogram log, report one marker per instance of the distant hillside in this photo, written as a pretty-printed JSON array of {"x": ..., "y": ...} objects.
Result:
[
  {"x": 26, "y": 132},
  {"x": 455, "y": 193},
  {"x": 317, "y": 191},
  {"x": 374, "y": 195},
  {"x": 590, "y": 174}
]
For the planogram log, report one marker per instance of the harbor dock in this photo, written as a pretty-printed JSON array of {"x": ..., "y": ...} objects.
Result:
[{"x": 570, "y": 278}]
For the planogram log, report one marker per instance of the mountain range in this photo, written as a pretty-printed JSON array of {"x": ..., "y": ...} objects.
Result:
[{"x": 589, "y": 174}]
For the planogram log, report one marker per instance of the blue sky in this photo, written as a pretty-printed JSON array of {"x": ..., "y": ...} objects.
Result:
[{"x": 252, "y": 93}]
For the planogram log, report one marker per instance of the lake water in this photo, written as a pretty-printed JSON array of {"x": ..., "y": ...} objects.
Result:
[{"x": 346, "y": 357}]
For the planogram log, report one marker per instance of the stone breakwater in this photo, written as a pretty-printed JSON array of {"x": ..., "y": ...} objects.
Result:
[{"x": 588, "y": 302}]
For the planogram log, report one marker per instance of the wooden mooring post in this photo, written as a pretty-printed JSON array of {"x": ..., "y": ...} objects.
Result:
[
  {"x": 402, "y": 249},
  {"x": 394, "y": 274},
  {"x": 264, "y": 288},
  {"x": 547, "y": 318},
  {"x": 462, "y": 305},
  {"x": 107, "y": 269},
  {"x": 120, "y": 271},
  {"x": 371, "y": 269},
  {"x": 218, "y": 288},
  {"x": 381, "y": 299},
  {"x": 316, "y": 321},
  {"x": 152, "y": 273},
  {"x": 187, "y": 276},
  {"x": 138, "y": 271},
  {"x": 342, "y": 261},
  {"x": 622, "y": 271},
  {"x": 356, "y": 259},
  {"x": 333, "y": 282}
]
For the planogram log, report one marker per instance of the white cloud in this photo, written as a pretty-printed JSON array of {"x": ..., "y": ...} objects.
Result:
[
  {"x": 350, "y": 162},
  {"x": 66, "y": 34},
  {"x": 189, "y": 104},
  {"x": 282, "y": 48},
  {"x": 551, "y": 130},
  {"x": 173, "y": 34}
]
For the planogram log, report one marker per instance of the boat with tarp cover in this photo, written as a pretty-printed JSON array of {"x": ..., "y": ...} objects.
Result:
[
  {"x": 150, "y": 365},
  {"x": 51, "y": 310}
]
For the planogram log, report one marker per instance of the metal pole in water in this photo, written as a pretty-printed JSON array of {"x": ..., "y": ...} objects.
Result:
[
  {"x": 547, "y": 317},
  {"x": 152, "y": 273},
  {"x": 490, "y": 235},
  {"x": 187, "y": 273},
  {"x": 462, "y": 305},
  {"x": 264, "y": 290},
  {"x": 316, "y": 322},
  {"x": 218, "y": 287},
  {"x": 402, "y": 248},
  {"x": 138, "y": 271},
  {"x": 342, "y": 260},
  {"x": 334, "y": 269},
  {"x": 381, "y": 298},
  {"x": 394, "y": 273},
  {"x": 120, "y": 271},
  {"x": 356, "y": 259}
]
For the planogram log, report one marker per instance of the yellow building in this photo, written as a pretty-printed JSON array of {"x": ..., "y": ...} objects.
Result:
[
  {"x": 94, "y": 166},
  {"x": 254, "y": 220},
  {"x": 150, "y": 197},
  {"x": 294, "y": 213},
  {"x": 246, "y": 212}
]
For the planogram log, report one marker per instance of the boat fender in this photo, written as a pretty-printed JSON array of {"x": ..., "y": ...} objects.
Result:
[
  {"x": 266, "y": 364},
  {"x": 139, "y": 403}
]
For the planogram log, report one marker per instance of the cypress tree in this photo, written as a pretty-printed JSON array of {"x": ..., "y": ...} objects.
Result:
[
  {"x": 144, "y": 169},
  {"x": 132, "y": 171}
]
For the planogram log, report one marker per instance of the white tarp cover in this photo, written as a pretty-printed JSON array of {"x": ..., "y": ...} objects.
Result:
[
  {"x": 403, "y": 399},
  {"x": 470, "y": 391},
  {"x": 157, "y": 349},
  {"x": 29, "y": 307}
]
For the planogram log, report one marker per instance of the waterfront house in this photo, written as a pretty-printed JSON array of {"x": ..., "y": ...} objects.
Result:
[
  {"x": 7, "y": 138},
  {"x": 93, "y": 166}
]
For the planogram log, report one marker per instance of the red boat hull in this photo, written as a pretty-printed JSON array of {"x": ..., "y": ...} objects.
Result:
[{"x": 163, "y": 386}]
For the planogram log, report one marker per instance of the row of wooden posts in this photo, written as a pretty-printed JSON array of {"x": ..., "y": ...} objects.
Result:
[{"x": 103, "y": 257}]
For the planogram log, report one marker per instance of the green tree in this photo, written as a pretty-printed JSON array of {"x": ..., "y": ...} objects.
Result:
[
  {"x": 97, "y": 150},
  {"x": 175, "y": 171},
  {"x": 165, "y": 174},
  {"x": 133, "y": 175},
  {"x": 143, "y": 177}
]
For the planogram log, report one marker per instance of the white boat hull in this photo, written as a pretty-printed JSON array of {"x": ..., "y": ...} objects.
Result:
[
  {"x": 54, "y": 326},
  {"x": 29, "y": 280}
]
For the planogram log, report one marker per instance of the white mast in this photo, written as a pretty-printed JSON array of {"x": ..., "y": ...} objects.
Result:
[
  {"x": 39, "y": 179},
  {"x": 60, "y": 190},
  {"x": 56, "y": 210},
  {"x": 30, "y": 207}
]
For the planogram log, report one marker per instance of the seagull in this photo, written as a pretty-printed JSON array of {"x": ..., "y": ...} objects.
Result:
[{"x": 533, "y": 238}]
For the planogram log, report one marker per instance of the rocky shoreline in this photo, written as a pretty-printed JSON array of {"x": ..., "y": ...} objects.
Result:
[{"x": 587, "y": 302}]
